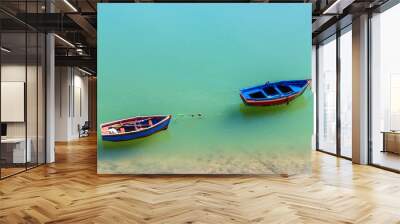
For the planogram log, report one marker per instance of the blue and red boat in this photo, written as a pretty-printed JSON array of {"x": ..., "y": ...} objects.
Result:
[
  {"x": 274, "y": 93},
  {"x": 133, "y": 128}
]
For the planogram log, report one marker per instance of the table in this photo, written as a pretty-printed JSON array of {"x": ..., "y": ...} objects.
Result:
[
  {"x": 391, "y": 141},
  {"x": 16, "y": 147}
]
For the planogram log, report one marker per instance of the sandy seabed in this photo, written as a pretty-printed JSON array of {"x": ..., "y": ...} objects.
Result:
[{"x": 211, "y": 163}]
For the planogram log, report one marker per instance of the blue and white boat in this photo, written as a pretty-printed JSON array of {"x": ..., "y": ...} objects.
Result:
[
  {"x": 133, "y": 128},
  {"x": 274, "y": 93}
]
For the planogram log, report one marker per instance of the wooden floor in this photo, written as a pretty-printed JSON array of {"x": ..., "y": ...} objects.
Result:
[
  {"x": 8, "y": 171},
  {"x": 387, "y": 159},
  {"x": 69, "y": 191}
]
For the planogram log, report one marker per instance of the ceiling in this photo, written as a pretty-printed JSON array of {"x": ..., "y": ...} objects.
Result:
[{"x": 75, "y": 21}]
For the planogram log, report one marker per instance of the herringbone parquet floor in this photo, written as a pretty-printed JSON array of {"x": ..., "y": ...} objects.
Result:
[{"x": 70, "y": 191}]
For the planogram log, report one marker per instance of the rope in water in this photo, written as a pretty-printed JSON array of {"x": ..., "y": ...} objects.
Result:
[{"x": 190, "y": 115}]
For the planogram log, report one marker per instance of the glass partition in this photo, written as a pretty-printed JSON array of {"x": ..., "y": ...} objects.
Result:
[
  {"x": 31, "y": 99},
  {"x": 22, "y": 77},
  {"x": 41, "y": 97},
  {"x": 327, "y": 95},
  {"x": 346, "y": 92},
  {"x": 14, "y": 153},
  {"x": 385, "y": 89}
]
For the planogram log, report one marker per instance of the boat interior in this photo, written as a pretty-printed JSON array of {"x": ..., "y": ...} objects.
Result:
[
  {"x": 129, "y": 126},
  {"x": 277, "y": 89}
]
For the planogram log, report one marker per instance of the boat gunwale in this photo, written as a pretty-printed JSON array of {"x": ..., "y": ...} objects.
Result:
[{"x": 166, "y": 117}]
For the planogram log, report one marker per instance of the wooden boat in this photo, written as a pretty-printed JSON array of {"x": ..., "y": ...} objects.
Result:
[
  {"x": 133, "y": 128},
  {"x": 274, "y": 93}
]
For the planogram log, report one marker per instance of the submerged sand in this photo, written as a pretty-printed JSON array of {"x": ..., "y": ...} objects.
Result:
[{"x": 212, "y": 163}]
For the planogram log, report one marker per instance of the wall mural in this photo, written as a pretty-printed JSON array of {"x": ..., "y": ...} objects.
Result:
[{"x": 204, "y": 88}]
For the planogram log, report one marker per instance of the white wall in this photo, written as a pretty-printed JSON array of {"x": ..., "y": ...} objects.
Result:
[
  {"x": 71, "y": 102},
  {"x": 80, "y": 111},
  {"x": 61, "y": 103}
]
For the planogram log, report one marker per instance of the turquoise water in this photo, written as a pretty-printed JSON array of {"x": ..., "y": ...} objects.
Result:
[{"x": 190, "y": 60}]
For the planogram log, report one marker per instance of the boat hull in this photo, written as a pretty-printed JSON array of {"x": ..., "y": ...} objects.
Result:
[
  {"x": 273, "y": 102},
  {"x": 140, "y": 134}
]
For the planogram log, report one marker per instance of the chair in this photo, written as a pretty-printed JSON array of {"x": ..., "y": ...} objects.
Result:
[{"x": 84, "y": 130}]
